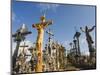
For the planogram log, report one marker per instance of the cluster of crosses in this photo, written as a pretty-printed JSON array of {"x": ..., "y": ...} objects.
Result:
[
  {"x": 75, "y": 46},
  {"x": 37, "y": 63},
  {"x": 20, "y": 36}
]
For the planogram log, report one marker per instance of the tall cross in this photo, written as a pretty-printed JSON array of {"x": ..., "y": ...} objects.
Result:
[
  {"x": 77, "y": 35},
  {"x": 50, "y": 35},
  {"x": 89, "y": 40},
  {"x": 18, "y": 37},
  {"x": 39, "y": 42}
]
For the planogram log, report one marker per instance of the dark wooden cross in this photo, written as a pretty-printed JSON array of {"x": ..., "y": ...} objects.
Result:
[
  {"x": 77, "y": 35},
  {"x": 18, "y": 37}
]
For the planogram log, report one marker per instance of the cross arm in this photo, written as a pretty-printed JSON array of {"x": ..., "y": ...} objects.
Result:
[
  {"x": 47, "y": 23},
  {"x": 50, "y": 33},
  {"x": 91, "y": 28},
  {"x": 34, "y": 25},
  {"x": 26, "y": 33}
]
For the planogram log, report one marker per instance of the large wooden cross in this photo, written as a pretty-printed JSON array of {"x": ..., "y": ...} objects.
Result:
[
  {"x": 18, "y": 37},
  {"x": 39, "y": 42}
]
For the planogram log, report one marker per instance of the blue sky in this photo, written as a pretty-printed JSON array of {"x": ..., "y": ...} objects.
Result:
[{"x": 65, "y": 19}]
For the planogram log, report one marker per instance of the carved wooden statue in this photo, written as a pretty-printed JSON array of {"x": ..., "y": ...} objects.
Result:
[{"x": 39, "y": 42}]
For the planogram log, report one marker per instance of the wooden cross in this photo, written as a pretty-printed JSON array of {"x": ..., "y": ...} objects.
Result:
[
  {"x": 18, "y": 37},
  {"x": 50, "y": 34},
  {"x": 39, "y": 42}
]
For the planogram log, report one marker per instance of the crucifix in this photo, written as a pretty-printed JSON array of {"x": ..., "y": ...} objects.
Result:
[
  {"x": 39, "y": 42},
  {"x": 89, "y": 39}
]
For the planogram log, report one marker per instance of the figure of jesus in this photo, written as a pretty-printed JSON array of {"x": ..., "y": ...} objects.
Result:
[
  {"x": 88, "y": 38},
  {"x": 39, "y": 42}
]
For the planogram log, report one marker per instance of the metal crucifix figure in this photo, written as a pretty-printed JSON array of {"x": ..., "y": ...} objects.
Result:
[
  {"x": 89, "y": 39},
  {"x": 39, "y": 42}
]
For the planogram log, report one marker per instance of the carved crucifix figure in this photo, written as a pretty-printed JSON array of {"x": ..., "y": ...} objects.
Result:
[
  {"x": 39, "y": 42},
  {"x": 89, "y": 39}
]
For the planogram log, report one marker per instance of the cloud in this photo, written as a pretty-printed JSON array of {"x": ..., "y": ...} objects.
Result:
[
  {"x": 15, "y": 18},
  {"x": 46, "y": 7}
]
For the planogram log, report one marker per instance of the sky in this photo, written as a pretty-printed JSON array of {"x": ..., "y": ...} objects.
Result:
[{"x": 66, "y": 18}]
